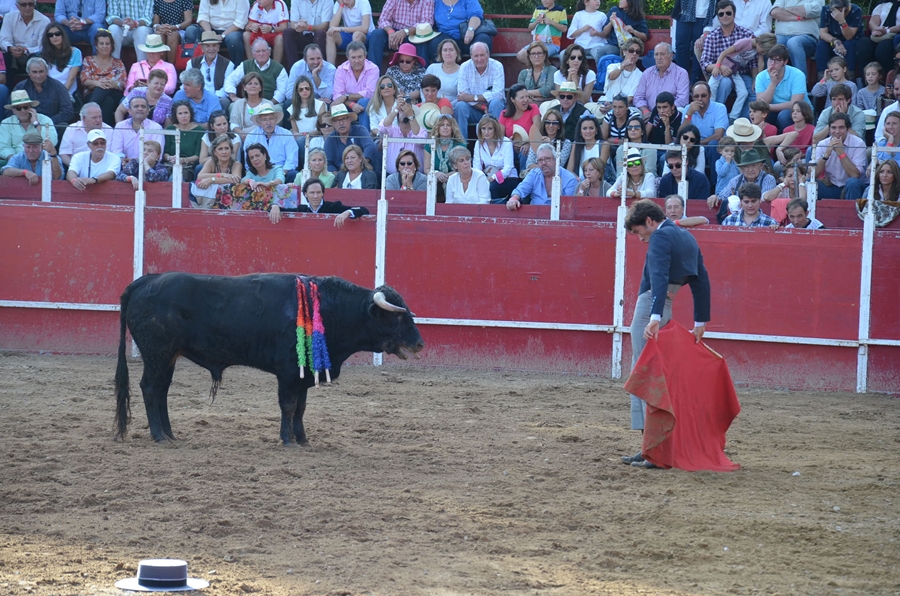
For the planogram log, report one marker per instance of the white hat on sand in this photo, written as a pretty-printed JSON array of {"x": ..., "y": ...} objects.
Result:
[{"x": 162, "y": 575}]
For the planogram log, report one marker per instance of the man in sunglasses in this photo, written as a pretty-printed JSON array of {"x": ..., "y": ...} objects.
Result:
[
  {"x": 727, "y": 34},
  {"x": 664, "y": 76},
  {"x": 698, "y": 184},
  {"x": 24, "y": 120},
  {"x": 570, "y": 108},
  {"x": 20, "y": 36},
  {"x": 81, "y": 19}
]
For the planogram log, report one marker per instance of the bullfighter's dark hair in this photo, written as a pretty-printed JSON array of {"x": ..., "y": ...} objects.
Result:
[
  {"x": 639, "y": 212},
  {"x": 261, "y": 148},
  {"x": 310, "y": 182}
]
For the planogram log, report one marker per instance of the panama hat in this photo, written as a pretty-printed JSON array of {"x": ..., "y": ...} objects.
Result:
[
  {"x": 566, "y": 87},
  {"x": 548, "y": 105},
  {"x": 340, "y": 111},
  {"x": 267, "y": 108},
  {"x": 162, "y": 575},
  {"x": 749, "y": 157},
  {"x": 409, "y": 50},
  {"x": 743, "y": 131},
  {"x": 154, "y": 43},
  {"x": 20, "y": 98},
  {"x": 423, "y": 33},
  {"x": 520, "y": 133},
  {"x": 210, "y": 37},
  {"x": 427, "y": 115},
  {"x": 634, "y": 154},
  {"x": 593, "y": 107},
  {"x": 871, "y": 119}
]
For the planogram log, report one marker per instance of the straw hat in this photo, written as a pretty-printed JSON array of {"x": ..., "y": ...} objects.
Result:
[
  {"x": 566, "y": 87},
  {"x": 743, "y": 131},
  {"x": 267, "y": 108},
  {"x": 20, "y": 98},
  {"x": 634, "y": 154},
  {"x": 871, "y": 119},
  {"x": 408, "y": 50},
  {"x": 210, "y": 37},
  {"x": 341, "y": 111},
  {"x": 423, "y": 33},
  {"x": 519, "y": 133},
  {"x": 548, "y": 105},
  {"x": 594, "y": 108},
  {"x": 154, "y": 43},
  {"x": 427, "y": 115},
  {"x": 162, "y": 575}
]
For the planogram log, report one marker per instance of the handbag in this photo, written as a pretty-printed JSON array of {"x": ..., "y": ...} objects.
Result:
[
  {"x": 885, "y": 37},
  {"x": 487, "y": 27}
]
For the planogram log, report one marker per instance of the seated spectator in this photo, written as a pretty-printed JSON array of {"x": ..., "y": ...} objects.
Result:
[
  {"x": 796, "y": 28},
  {"x": 460, "y": 22},
  {"x": 798, "y": 212},
  {"x": 675, "y": 211},
  {"x": 316, "y": 167},
  {"x": 779, "y": 197},
  {"x": 103, "y": 77},
  {"x": 726, "y": 35},
  {"x": 171, "y": 18},
  {"x": 749, "y": 215},
  {"x": 759, "y": 113},
  {"x": 840, "y": 159},
  {"x": 309, "y": 21},
  {"x": 191, "y": 135},
  {"x": 589, "y": 30},
  {"x": 781, "y": 85},
  {"x": 352, "y": 21},
  {"x": 869, "y": 96},
  {"x": 570, "y": 109},
  {"x": 278, "y": 143},
  {"x": 690, "y": 136},
  {"x": 305, "y": 109},
  {"x": 883, "y": 27},
  {"x": 221, "y": 169},
  {"x": 522, "y": 113},
  {"x": 627, "y": 17},
  {"x": 574, "y": 69},
  {"x": 431, "y": 93},
  {"x": 406, "y": 174},
  {"x": 52, "y": 98},
  {"x": 227, "y": 20},
  {"x": 383, "y": 102},
  {"x": 663, "y": 77},
  {"x": 551, "y": 131},
  {"x": 744, "y": 60},
  {"x": 841, "y": 104},
  {"x": 750, "y": 163},
  {"x": 154, "y": 170},
  {"x": 887, "y": 183},
  {"x": 346, "y": 133},
  {"x": 82, "y": 19},
  {"x": 314, "y": 190},
  {"x": 634, "y": 132},
  {"x": 481, "y": 85},
  {"x": 20, "y": 36},
  {"x": 798, "y": 135},
  {"x": 354, "y": 82},
  {"x": 29, "y": 162},
  {"x": 891, "y": 137},
  {"x": 261, "y": 171},
  {"x": 274, "y": 77},
  {"x": 401, "y": 21},
  {"x": 95, "y": 165},
  {"x": 622, "y": 78},
  {"x": 748, "y": 137},
  {"x": 466, "y": 184},
  {"x": 203, "y": 103},
  {"x": 130, "y": 23},
  {"x": 538, "y": 76},
  {"x": 592, "y": 185},
  {"x": 63, "y": 59},
  {"x": 213, "y": 70},
  {"x": 447, "y": 135},
  {"x": 160, "y": 103},
  {"x": 638, "y": 182},
  {"x": 710, "y": 117},
  {"x": 355, "y": 172},
  {"x": 892, "y": 106},
  {"x": 125, "y": 142},
  {"x": 859, "y": 189},
  {"x": 726, "y": 168},
  {"x": 613, "y": 129},
  {"x": 447, "y": 69},
  {"x": 537, "y": 187},
  {"x": 587, "y": 144},
  {"x": 321, "y": 73},
  {"x": 548, "y": 23},
  {"x": 835, "y": 75},
  {"x": 242, "y": 110},
  {"x": 494, "y": 157},
  {"x": 22, "y": 122},
  {"x": 698, "y": 184},
  {"x": 407, "y": 69},
  {"x": 840, "y": 27},
  {"x": 267, "y": 20},
  {"x": 75, "y": 136},
  {"x": 402, "y": 123},
  {"x": 317, "y": 138},
  {"x": 663, "y": 123}
]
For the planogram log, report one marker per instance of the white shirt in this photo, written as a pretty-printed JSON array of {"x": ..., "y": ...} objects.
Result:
[
  {"x": 755, "y": 15},
  {"x": 449, "y": 82},
  {"x": 16, "y": 33},
  {"x": 501, "y": 159},
  {"x": 224, "y": 14},
  {"x": 596, "y": 20},
  {"x": 587, "y": 154},
  {"x": 209, "y": 75},
  {"x": 879, "y": 130},
  {"x": 357, "y": 184},
  {"x": 314, "y": 13},
  {"x": 559, "y": 78},
  {"x": 82, "y": 165},
  {"x": 75, "y": 138},
  {"x": 352, "y": 17},
  {"x": 305, "y": 123},
  {"x": 647, "y": 187},
  {"x": 625, "y": 85},
  {"x": 478, "y": 191}
]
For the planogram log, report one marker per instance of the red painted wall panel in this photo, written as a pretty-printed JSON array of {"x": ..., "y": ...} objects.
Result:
[
  {"x": 159, "y": 194},
  {"x": 884, "y": 371},
  {"x": 59, "y": 331},
  {"x": 885, "y": 319}
]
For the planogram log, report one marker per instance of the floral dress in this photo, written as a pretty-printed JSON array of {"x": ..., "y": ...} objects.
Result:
[{"x": 91, "y": 72}]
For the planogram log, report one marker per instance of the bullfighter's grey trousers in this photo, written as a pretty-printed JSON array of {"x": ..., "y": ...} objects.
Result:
[{"x": 638, "y": 324}]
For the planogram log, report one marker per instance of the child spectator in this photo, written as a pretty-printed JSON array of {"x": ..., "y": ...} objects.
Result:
[
  {"x": 587, "y": 28},
  {"x": 867, "y": 97},
  {"x": 626, "y": 22},
  {"x": 749, "y": 55},
  {"x": 836, "y": 73},
  {"x": 352, "y": 21},
  {"x": 548, "y": 22},
  {"x": 726, "y": 169},
  {"x": 663, "y": 124},
  {"x": 268, "y": 19},
  {"x": 759, "y": 111}
]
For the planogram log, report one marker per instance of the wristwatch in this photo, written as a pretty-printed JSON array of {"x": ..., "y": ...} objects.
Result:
[{"x": 471, "y": 29}]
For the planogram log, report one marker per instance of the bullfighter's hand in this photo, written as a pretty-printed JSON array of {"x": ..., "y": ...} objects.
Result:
[
  {"x": 340, "y": 219},
  {"x": 652, "y": 330},
  {"x": 698, "y": 332}
]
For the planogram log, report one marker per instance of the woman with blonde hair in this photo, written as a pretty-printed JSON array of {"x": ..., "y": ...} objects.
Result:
[
  {"x": 356, "y": 173},
  {"x": 466, "y": 185},
  {"x": 317, "y": 166},
  {"x": 220, "y": 170},
  {"x": 537, "y": 77},
  {"x": 383, "y": 101},
  {"x": 592, "y": 185},
  {"x": 639, "y": 183},
  {"x": 494, "y": 156},
  {"x": 447, "y": 135},
  {"x": 324, "y": 128}
]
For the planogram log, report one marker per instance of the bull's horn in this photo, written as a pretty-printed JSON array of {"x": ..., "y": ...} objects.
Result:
[{"x": 381, "y": 301}]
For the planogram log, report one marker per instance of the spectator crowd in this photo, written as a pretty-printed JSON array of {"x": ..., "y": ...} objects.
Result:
[{"x": 761, "y": 98}]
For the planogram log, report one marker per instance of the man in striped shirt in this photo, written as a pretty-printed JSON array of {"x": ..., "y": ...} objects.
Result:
[{"x": 749, "y": 215}]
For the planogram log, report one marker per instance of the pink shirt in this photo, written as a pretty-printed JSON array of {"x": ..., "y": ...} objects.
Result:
[
  {"x": 525, "y": 121},
  {"x": 141, "y": 70},
  {"x": 345, "y": 83}
]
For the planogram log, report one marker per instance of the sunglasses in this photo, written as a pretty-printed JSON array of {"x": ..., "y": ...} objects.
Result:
[
  {"x": 386, "y": 86},
  {"x": 406, "y": 163},
  {"x": 724, "y": 13},
  {"x": 674, "y": 166},
  {"x": 566, "y": 96},
  {"x": 303, "y": 89},
  {"x": 26, "y": 4},
  {"x": 326, "y": 125},
  {"x": 552, "y": 123},
  {"x": 634, "y": 164},
  {"x": 633, "y": 127},
  {"x": 690, "y": 138},
  {"x": 410, "y": 61},
  {"x": 21, "y": 108},
  {"x": 54, "y": 34},
  {"x": 576, "y": 57},
  {"x": 632, "y": 50}
]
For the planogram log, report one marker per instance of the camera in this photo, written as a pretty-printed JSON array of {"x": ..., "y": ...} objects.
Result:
[{"x": 407, "y": 99}]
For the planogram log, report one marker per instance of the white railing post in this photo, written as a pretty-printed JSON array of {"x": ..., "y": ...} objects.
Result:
[
  {"x": 555, "y": 187},
  {"x": 46, "y": 177},
  {"x": 812, "y": 190},
  {"x": 431, "y": 196},
  {"x": 865, "y": 285},
  {"x": 683, "y": 184},
  {"x": 619, "y": 289},
  {"x": 140, "y": 202},
  {"x": 380, "y": 249},
  {"x": 177, "y": 173},
  {"x": 384, "y": 153}
]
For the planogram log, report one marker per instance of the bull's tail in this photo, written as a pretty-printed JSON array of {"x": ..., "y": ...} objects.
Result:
[{"x": 123, "y": 390}]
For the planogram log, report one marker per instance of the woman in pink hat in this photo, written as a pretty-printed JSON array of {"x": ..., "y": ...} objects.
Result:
[{"x": 407, "y": 68}]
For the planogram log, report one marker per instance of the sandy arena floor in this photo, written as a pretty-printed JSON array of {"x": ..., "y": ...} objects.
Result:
[{"x": 436, "y": 482}]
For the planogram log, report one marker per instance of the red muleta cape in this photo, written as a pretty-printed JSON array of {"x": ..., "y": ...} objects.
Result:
[{"x": 691, "y": 402}]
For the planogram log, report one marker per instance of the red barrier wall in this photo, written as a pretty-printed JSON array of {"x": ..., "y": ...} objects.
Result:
[{"x": 488, "y": 268}]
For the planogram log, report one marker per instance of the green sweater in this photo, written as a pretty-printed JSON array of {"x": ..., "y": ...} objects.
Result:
[{"x": 269, "y": 75}]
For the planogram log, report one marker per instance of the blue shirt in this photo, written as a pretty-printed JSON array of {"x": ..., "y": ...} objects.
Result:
[
  {"x": 884, "y": 155},
  {"x": 793, "y": 83},
  {"x": 716, "y": 117},
  {"x": 334, "y": 147},
  {"x": 281, "y": 146},
  {"x": 448, "y": 22},
  {"x": 95, "y": 10},
  {"x": 20, "y": 162},
  {"x": 533, "y": 186},
  {"x": 202, "y": 110},
  {"x": 324, "y": 91}
]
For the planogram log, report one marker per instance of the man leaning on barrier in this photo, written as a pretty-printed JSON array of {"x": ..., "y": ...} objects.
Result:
[
  {"x": 95, "y": 165},
  {"x": 537, "y": 187},
  {"x": 29, "y": 163}
]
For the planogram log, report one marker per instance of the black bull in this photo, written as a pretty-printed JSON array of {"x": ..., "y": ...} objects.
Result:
[{"x": 218, "y": 322}]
